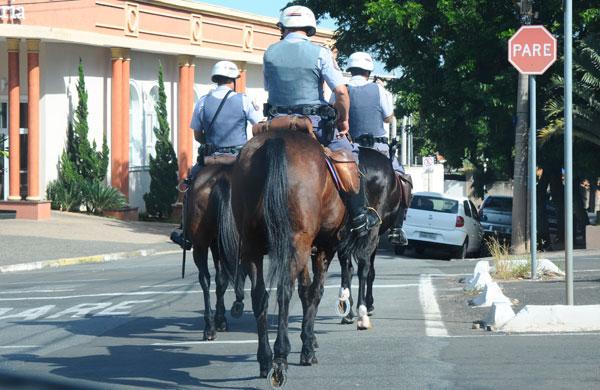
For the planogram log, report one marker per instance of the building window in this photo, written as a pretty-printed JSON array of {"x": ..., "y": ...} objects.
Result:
[{"x": 142, "y": 119}]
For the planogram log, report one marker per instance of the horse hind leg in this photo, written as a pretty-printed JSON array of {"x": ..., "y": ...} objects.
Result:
[
  {"x": 363, "y": 256},
  {"x": 260, "y": 305},
  {"x": 370, "y": 279},
  {"x": 312, "y": 295},
  {"x": 345, "y": 300},
  {"x": 221, "y": 282},
  {"x": 237, "y": 308},
  {"x": 201, "y": 260}
]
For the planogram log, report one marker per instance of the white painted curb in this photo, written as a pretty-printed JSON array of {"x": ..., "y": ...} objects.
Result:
[
  {"x": 478, "y": 283},
  {"x": 82, "y": 260},
  {"x": 491, "y": 294},
  {"x": 555, "y": 318},
  {"x": 499, "y": 315}
]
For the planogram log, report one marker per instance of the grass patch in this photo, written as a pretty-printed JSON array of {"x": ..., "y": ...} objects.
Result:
[{"x": 507, "y": 266}]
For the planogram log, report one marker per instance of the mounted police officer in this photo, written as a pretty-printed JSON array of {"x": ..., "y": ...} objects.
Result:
[
  {"x": 220, "y": 117},
  {"x": 370, "y": 108},
  {"x": 219, "y": 122},
  {"x": 294, "y": 72}
]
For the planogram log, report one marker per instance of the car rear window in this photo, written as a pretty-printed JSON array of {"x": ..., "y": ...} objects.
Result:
[
  {"x": 430, "y": 203},
  {"x": 502, "y": 204}
]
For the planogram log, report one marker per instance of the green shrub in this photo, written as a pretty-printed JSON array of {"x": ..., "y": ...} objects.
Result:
[
  {"x": 64, "y": 195},
  {"x": 98, "y": 197}
]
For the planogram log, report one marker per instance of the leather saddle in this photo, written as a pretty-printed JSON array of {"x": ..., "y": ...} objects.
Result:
[
  {"x": 341, "y": 164},
  {"x": 406, "y": 185}
]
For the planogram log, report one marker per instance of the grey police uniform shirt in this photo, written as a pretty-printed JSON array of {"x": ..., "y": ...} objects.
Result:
[
  {"x": 250, "y": 109},
  {"x": 328, "y": 72},
  {"x": 387, "y": 109},
  {"x": 386, "y": 105},
  {"x": 328, "y": 69}
]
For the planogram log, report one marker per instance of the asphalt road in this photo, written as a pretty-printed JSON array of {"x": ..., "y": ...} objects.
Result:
[{"x": 135, "y": 324}]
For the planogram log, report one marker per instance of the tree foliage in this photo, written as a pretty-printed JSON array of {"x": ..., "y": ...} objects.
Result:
[
  {"x": 586, "y": 95},
  {"x": 163, "y": 167},
  {"x": 80, "y": 166},
  {"x": 454, "y": 72}
]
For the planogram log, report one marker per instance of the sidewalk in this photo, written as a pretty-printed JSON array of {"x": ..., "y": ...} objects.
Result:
[{"x": 69, "y": 238}]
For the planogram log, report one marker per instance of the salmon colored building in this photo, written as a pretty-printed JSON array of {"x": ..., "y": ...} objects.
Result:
[{"x": 121, "y": 44}]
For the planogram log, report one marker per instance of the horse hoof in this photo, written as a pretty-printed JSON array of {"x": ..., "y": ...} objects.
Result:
[
  {"x": 342, "y": 308},
  {"x": 221, "y": 326},
  {"x": 237, "y": 309},
  {"x": 209, "y": 336},
  {"x": 277, "y": 377},
  {"x": 347, "y": 320},
  {"x": 364, "y": 323},
  {"x": 308, "y": 361}
]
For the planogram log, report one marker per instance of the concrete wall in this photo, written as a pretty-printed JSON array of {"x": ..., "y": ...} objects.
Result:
[{"x": 427, "y": 181}]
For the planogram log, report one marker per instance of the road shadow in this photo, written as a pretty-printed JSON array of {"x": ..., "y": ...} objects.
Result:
[{"x": 147, "y": 366}]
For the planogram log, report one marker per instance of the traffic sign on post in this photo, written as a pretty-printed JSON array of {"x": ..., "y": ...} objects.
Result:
[{"x": 532, "y": 50}]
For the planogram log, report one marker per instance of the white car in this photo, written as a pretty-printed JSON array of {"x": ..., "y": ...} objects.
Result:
[{"x": 437, "y": 220}]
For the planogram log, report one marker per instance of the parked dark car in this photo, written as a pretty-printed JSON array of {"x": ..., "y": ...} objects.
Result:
[{"x": 495, "y": 214}]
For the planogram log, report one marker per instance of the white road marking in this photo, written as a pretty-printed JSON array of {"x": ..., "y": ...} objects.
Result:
[
  {"x": 500, "y": 334},
  {"x": 434, "y": 326},
  {"x": 176, "y": 292},
  {"x": 37, "y": 291},
  {"x": 18, "y": 346},
  {"x": 208, "y": 342},
  {"x": 58, "y": 281},
  {"x": 167, "y": 285}
]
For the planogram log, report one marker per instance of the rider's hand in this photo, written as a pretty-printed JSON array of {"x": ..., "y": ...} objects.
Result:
[{"x": 343, "y": 126}]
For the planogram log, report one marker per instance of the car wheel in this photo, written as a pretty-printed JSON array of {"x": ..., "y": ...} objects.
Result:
[
  {"x": 461, "y": 252},
  {"x": 399, "y": 249}
]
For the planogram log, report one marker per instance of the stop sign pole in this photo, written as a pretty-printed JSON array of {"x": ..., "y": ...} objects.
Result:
[
  {"x": 532, "y": 50},
  {"x": 568, "y": 99}
]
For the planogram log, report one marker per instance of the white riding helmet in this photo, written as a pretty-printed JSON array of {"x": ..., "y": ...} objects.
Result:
[
  {"x": 298, "y": 16},
  {"x": 226, "y": 69},
  {"x": 360, "y": 60}
]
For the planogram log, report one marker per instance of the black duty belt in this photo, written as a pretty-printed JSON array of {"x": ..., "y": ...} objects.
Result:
[
  {"x": 323, "y": 110},
  {"x": 369, "y": 141}
]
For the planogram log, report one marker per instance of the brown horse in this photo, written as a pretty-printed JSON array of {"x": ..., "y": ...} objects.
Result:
[
  {"x": 285, "y": 202},
  {"x": 208, "y": 213}
]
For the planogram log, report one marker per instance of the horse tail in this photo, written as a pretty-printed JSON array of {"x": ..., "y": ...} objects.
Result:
[
  {"x": 277, "y": 219},
  {"x": 227, "y": 235}
]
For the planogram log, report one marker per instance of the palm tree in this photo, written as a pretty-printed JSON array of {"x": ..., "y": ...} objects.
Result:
[{"x": 586, "y": 96}]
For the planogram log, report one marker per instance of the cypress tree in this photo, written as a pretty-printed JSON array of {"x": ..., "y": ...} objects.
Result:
[
  {"x": 90, "y": 164},
  {"x": 163, "y": 167}
]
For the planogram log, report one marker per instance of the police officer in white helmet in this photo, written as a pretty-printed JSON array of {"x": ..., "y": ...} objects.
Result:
[
  {"x": 294, "y": 72},
  {"x": 370, "y": 109},
  {"x": 219, "y": 121}
]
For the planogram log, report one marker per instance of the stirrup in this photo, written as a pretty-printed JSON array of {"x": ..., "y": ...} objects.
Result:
[
  {"x": 397, "y": 237},
  {"x": 362, "y": 223}
]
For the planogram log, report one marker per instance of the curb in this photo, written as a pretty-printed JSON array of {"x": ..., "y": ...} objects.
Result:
[{"x": 37, "y": 265}]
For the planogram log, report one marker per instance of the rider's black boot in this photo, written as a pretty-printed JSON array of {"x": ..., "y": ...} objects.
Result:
[
  {"x": 362, "y": 218},
  {"x": 397, "y": 235},
  {"x": 177, "y": 238}
]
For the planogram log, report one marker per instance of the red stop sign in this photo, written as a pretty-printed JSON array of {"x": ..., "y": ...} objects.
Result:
[{"x": 532, "y": 50}]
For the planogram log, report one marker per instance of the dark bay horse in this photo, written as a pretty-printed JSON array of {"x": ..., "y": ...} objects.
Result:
[
  {"x": 384, "y": 195},
  {"x": 285, "y": 202},
  {"x": 208, "y": 213}
]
